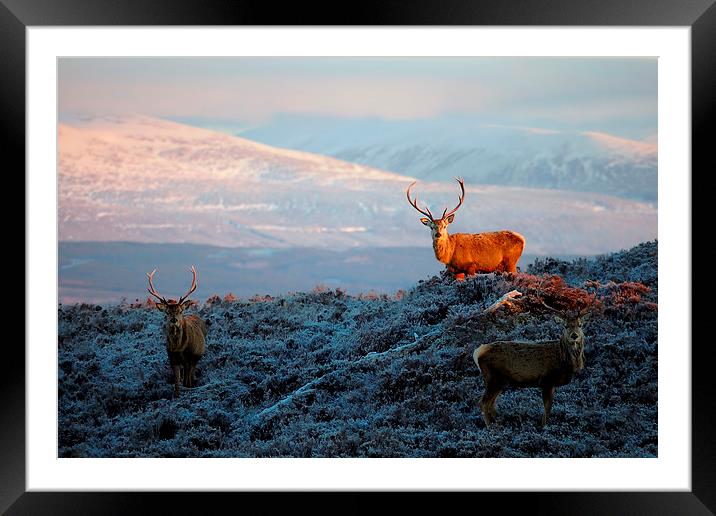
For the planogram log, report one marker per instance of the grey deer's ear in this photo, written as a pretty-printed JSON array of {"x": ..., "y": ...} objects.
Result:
[
  {"x": 559, "y": 319},
  {"x": 425, "y": 221},
  {"x": 451, "y": 218},
  {"x": 585, "y": 317}
]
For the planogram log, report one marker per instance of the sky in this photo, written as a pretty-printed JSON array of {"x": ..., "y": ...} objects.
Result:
[{"x": 611, "y": 95}]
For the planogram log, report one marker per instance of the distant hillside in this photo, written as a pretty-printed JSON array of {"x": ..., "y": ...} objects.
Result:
[
  {"x": 478, "y": 150},
  {"x": 141, "y": 179},
  {"x": 325, "y": 374}
]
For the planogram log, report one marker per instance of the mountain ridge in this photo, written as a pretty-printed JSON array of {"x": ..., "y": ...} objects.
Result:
[{"x": 148, "y": 180}]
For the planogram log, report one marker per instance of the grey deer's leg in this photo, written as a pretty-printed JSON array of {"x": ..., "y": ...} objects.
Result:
[
  {"x": 487, "y": 402},
  {"x": 547, "y": 397}
]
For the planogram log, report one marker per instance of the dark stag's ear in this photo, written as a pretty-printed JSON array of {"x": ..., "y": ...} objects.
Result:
[
  {"x": 559, "y": 319},
  {"x": 186, "y": 304},
  {"x": 425, "y": 221},
  {"x": 450, "y": 219},
  {"x": 161, "y": 306},
  {"x": 585, "y": 317}
]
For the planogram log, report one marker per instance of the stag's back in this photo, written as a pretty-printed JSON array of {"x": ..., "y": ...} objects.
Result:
[
  {"x": 522, "y": 363},
  {"x": 494, "y": 250}
]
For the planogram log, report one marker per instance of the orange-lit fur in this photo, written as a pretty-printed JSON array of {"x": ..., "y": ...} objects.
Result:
[
  {"x": 470, "y": 253},
  {"x": 480, "y": 252}
]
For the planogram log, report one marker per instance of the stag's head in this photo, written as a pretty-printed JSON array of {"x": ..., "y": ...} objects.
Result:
[
  {"x": 438, "y": 227},
  {"x": 572, "y": 322},
  {"x": 172, "y": 308}
]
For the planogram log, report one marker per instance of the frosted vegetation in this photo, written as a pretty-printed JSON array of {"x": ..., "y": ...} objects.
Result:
[{"x": 325, "y": 374}]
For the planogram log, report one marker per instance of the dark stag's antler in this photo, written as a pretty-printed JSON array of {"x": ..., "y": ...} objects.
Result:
[
  {"x": 161, "y": 298},
  {"x": 151, "y": 288},
  {"x": 193, "y": 286}
]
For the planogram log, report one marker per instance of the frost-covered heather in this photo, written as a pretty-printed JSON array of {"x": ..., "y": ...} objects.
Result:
[{"x": 323, "y": 374}]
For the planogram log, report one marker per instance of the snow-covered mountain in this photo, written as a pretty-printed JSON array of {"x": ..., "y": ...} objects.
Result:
[
  {"x": 147, "y": 180},
  {"x": 482, "y": 152}
]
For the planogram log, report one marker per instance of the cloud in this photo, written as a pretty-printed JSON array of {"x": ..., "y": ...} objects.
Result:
[
  {"x": 528, "y": 91},
  {"x": 260, "y": 98},
  {"x": 623, "y": 145}
]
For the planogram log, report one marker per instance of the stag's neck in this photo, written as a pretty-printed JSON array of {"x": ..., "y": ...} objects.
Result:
[
  {"x": 572, "y": 355},
  {"x": 444, "y": 248},
  {"x": 175, "y": 340}
]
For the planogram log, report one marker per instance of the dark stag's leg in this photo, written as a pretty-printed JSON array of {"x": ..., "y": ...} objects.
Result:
[
  {"x": 177, "y": 377},
  {"x": 547, "y": 397},
  {"x": 190, "y": 374},
  {"x": 187, "y": 378}
]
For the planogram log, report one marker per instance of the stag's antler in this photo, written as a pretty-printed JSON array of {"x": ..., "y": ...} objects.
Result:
[
  {"x": 584, "y": 311},
  {"x": 460, "y": 198},
  {"x": 151, "y": 288},
  {"x": 550, "y": 308},
  {"x": 192, "y": 288},
  {"x": 414, "y": 203}
]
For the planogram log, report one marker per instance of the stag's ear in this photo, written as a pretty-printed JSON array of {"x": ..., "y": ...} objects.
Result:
[
  {"x": 585, "y": 316},
  {"x": 559, "y": 319},
  {"x": 160, "y": 306},
  {"x": 425, "y": 221},
  {"x": 186, "y": 304},
  {"x": 451, "y": 218}
]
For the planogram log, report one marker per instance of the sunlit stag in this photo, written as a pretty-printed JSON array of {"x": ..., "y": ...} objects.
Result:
[{"x": 467, "y": 252}]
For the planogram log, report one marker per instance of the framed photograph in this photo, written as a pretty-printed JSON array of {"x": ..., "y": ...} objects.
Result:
[{"x": 255, "y": 282}]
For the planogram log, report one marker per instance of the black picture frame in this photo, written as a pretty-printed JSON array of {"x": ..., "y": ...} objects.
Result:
[{"x": 700, "y": 15}]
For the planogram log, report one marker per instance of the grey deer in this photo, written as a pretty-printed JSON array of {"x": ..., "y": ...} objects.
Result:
[{"x": 547, "y": 365}]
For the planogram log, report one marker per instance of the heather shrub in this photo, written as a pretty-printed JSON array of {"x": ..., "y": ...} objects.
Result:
[{"x": 326, "y": 374}]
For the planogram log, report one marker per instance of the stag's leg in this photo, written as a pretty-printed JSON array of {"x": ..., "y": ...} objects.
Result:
[
  {"x": 507, "y": 265},
  {"x": 493, "y": 388},
  {"x": 177, "y": 377},
  {"x": 547, "y": 397},
  {"x": 189, "y": 368},
  {"x": 487, "y": 404},
  {"x": 493, "y": 410},
  {"x": 486, "y": 397},
  {"x": 192, "y": 366},
  {"x": 484, "y": 409}
]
